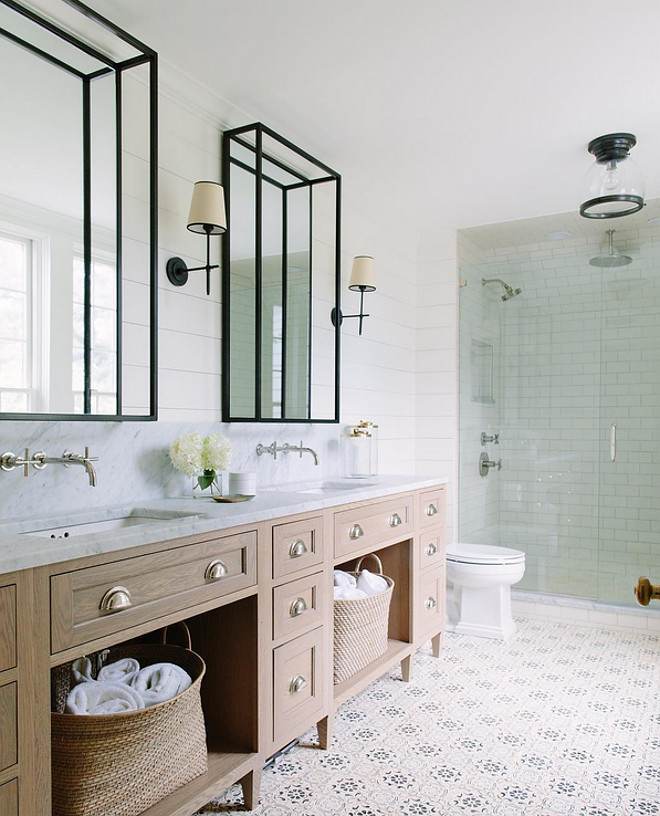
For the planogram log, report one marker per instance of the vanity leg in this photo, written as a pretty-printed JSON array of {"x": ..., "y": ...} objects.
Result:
[
  {"x": 406, "y": 669},
  {"x": 251, "y": 784},
  {"x": 436, "y": 644},
  {"x": 324, "y": 730}
]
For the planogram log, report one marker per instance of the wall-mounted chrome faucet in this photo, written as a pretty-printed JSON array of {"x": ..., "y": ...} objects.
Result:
[
  {"x": 485, "y": 438},
  {"x": 39, "y": 460},
  {"x": 274, "y": 449},
  {"x": 485, "y": 464}
]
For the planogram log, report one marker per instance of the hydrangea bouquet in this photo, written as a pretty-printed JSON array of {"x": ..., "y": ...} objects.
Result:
[{"x": 202, "y": 459}]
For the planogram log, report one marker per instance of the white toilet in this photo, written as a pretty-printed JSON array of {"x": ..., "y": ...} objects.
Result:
[{"x": 479, "y": 580}]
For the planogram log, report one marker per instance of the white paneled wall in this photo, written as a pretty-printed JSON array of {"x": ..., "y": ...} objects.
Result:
[{"x": 400, "y": 374}]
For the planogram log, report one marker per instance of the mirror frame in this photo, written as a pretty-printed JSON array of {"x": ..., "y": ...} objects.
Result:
[
  {"x": 145, "y": 56},
  {"x": 251, "y": 138}
]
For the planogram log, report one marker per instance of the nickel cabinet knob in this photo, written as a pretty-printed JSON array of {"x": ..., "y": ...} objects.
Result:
[
  {"x": 297, "y": 607},
  {"x": 215, "y": 571},
  {"x": 431, "y": 509},
  {"x": 298, "y": 548},
  {"x": 431, "y": 549},
  {"x": 297, "y": 684},
  {"x": 430, "y": 602},
  {"x": 356, "y": 531},
  {"x": 395, "y": 520},
  {"x": 116, "y": 599}
]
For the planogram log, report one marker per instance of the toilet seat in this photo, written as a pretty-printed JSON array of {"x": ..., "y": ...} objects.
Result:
[{"x": 485, "y": 554}]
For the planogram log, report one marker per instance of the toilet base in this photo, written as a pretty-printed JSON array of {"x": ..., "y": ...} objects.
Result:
[{"x": 480, "y": 611}]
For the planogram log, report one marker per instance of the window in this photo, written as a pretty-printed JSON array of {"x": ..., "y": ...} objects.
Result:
[
  {"x": 20, "y": 326},
  {"x": 103, "y": 371}
]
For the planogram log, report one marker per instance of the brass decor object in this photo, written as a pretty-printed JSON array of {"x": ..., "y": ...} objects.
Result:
[{"x": 645, "y": 592}]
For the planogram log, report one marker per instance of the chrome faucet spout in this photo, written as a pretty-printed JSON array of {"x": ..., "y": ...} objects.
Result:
[{"x": 300, "y": 449}]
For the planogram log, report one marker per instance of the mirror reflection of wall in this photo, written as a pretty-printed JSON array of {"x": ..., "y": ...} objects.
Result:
[
  {"x": 281, "y": 269},
  {"x": 76, "y": 312}
]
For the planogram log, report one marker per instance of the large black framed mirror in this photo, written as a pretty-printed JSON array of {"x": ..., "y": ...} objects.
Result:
[
  {"x": 78, "y": 216},
  {"x": 281, "y": 280}
]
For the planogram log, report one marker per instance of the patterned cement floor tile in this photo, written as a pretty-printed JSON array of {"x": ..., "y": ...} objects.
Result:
[{"x": 559, "y": 721}]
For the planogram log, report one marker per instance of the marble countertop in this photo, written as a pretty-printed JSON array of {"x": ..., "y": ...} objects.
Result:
[{"x": 178, "y": 517}]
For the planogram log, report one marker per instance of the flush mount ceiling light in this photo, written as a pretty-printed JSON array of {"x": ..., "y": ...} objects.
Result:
[
  {"x": 614, "y": 184},
  {"x": 206, "y": 216}
]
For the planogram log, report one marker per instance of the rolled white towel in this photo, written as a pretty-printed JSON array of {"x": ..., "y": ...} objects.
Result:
[
  {"x": 121, "y": 671},
  {"x": 347, "y": 593},
  {"x": 160, "y": 682},
  {"x": 103, "y": 698},
  {"x": 81, "y": 670},
  {"x": 344, "y": 579},
  {"x": 370, "y": 583}
]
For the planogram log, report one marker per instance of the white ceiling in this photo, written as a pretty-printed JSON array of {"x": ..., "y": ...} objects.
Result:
[{"x": 448, "y": 113}]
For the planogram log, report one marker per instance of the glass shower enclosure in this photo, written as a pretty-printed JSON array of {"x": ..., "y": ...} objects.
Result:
[{"x": 567, "y": 372}]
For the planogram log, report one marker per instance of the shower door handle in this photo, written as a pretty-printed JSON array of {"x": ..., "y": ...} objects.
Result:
[{"x": 613, "y": 442}]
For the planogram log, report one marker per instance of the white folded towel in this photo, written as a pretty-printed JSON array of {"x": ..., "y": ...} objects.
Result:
[
  {"x": 121, "y": 671},
  {"x": 344, "y": 579},
  {"x": 348, "y": 593},
  {"x": 81, "y": 670},
  {"x": 370, "y": 583},
  {"x": 160, "y": 682},
  {"x": 103, "y": 698}
]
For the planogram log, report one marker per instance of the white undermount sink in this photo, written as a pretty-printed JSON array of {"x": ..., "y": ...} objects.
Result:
[{"x": 118, "y": 522}]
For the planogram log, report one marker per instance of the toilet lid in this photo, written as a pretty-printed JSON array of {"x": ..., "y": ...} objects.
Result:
[{"x": 462, "y": 553}]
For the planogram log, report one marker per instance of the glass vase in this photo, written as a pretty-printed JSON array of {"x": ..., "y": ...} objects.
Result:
[{"x": 206, "y": 484}]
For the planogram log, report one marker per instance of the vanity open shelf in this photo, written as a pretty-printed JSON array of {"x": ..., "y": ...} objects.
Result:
[{"x": 257, "y": 598}]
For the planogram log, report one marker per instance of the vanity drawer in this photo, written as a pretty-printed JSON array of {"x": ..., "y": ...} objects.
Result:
[
  {"x": 157, "y": 584},
  {"x": 298, "y": 677},
  {"x": 432, "y": 548},
  {"x": 8, "y": 727},
  {"x": 431, "y": 601},
  {"x": 7, "y": 627},
  {"x": 297, "y": 545},
  {"x": 9, "y": 798},
  {"x": 299, "y": 606},
  {"x": 432, "y": 505},
  {"x": 364, "y": 526}
]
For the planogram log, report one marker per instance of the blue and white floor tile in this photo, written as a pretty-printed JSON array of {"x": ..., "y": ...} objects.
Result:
[{"x": 560, "y": 721}]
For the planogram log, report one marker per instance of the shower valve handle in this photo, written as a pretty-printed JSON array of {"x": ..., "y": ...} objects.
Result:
[
  {"x": 485, "y": 464},
  {"x": 485, "y": 438}
]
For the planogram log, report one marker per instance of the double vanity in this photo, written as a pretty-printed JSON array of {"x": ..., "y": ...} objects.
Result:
[{"x": 253, "y": 582}]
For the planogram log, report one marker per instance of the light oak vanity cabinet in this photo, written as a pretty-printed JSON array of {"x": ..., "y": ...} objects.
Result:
[{"x": 258, "y": 602}]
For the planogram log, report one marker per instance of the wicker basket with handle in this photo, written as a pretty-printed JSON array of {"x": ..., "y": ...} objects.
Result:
[
  {"x": 360, "y": 627},
  {"x": 121, "y": 764}
]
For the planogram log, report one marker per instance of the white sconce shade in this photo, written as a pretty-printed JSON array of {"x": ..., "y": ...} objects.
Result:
[
  {"x": 207, "y": 208},
  {"x": 363, "y": 274}
]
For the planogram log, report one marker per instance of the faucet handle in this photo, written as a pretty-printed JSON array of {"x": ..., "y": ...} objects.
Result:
[{"x": 88, "y": 457}]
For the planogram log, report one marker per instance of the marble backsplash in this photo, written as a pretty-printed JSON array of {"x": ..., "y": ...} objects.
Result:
[{"x": 134, "y": 465}]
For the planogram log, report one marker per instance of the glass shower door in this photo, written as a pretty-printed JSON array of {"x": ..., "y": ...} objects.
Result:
[{"x": 629, "y": 483}]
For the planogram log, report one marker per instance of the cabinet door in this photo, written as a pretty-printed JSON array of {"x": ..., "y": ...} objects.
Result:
[
  {"x": 299, "y": 676},
  {"x": 7, "y": 627},
  {"x": 431, "y": 603},
  {"x": 432, "y": 507},
  {"x": 299, "y": 606},
  {"x": 8, "y": 727},
  {"x": 9, "y": 798}
]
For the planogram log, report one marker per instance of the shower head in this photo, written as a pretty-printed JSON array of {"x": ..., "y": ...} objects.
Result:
[
  {"x": 612, "y": 257},
  {"x": 508, "y": 291}
]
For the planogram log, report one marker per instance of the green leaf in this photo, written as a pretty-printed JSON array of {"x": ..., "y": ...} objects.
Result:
[{"x": 207, "y": 479}]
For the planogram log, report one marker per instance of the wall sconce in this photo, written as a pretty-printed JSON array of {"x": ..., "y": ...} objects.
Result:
[
  {"x": 206, "y": 216},
  {"x": 615, "y": 186},
  {"x": 363, "y": 279}
]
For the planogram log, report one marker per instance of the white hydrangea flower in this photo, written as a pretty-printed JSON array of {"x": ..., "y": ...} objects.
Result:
[
  {"x": 216, "y": 452},
  {"x": 186, "y": 453}
]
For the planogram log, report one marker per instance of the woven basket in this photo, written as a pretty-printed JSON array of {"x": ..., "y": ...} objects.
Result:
[
  {"x": 360, "y": 628},
  {"x": 121, "y": 764}
]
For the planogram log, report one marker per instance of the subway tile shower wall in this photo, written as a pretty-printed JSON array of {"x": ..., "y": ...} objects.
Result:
[{"x": 577, "y": 351}]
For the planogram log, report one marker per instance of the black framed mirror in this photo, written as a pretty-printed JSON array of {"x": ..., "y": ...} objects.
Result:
[
  {"x": 281, "y": 280},
  {"x": 78, "y": 216}
]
